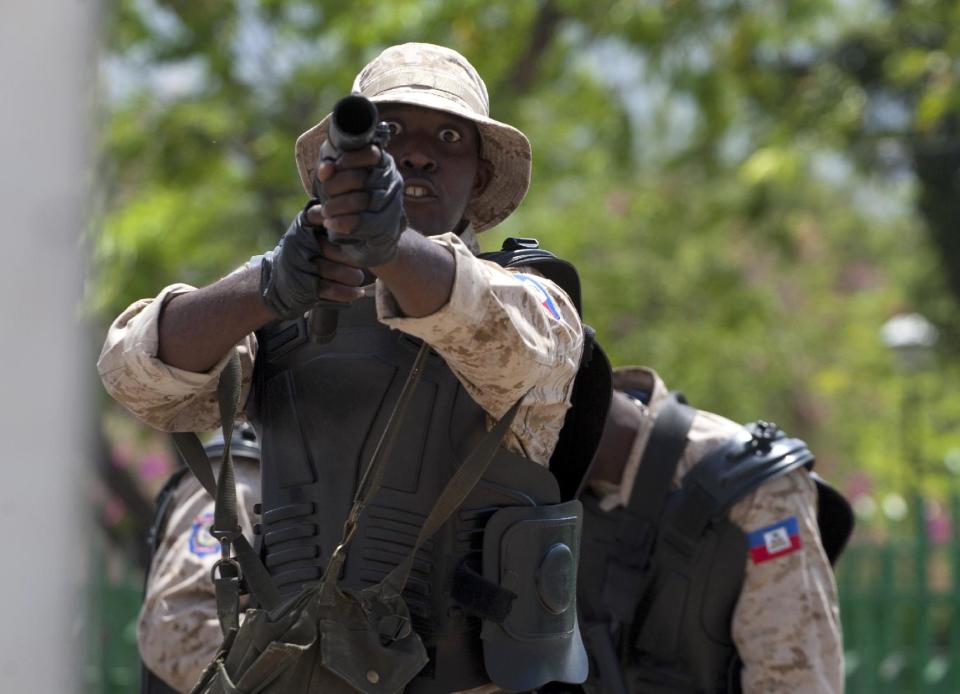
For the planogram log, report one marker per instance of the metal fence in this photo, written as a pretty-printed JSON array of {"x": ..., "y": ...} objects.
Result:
[
  {"x": 900, "y": 613},
  {"x": 901, "y": 610},
  {"x": 113, "y": 664}
]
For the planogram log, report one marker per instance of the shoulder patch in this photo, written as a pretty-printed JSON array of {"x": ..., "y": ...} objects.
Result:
[
  {"x": 774, "y": 541},
  {"x": 545, "y": 299},
  {"x": 202, "y": 543}
]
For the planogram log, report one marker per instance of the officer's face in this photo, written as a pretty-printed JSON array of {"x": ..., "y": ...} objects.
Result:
[{"x": 438, "y": 156}]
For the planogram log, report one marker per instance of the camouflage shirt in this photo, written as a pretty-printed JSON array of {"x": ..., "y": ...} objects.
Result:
[
  {"x": 502, "y": 333},
  {"x": 786, "y": 624}
]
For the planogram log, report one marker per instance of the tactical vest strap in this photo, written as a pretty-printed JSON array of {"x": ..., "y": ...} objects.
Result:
[
  {"x": 226, "y": 527},
  {"x": 651, "y": 487},
  {"x": 373, "y": 475},
  {"x": 668, "y": 440},
  {"x": 640, "y": 520},
  {"x": 457, "y": 489}
]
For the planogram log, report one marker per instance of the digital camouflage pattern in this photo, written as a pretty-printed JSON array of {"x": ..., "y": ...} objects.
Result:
[
  {"x": 178, "y": 632},
  {"x": 786, "y": 624},
  {"x": 500, "y": 340}
]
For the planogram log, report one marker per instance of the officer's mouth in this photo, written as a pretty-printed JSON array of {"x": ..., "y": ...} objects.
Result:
[{"x": 418, "y": 191}]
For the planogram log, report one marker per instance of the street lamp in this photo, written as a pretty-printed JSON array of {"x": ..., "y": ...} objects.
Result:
[{"x": 911, "y": 337}]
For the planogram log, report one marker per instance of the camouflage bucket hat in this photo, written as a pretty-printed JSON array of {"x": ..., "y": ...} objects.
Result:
[{"x": 422, "y": 74}]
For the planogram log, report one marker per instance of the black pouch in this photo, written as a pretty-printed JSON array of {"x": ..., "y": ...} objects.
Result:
[{"x": 533, "y": 552}]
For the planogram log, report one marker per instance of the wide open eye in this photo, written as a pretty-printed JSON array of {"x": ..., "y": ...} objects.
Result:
[
  {"x": 395, "y": 128},
  {"x": 449, "y": 135}
]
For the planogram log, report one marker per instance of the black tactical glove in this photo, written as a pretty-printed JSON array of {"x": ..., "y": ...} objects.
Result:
[
  {"x": 374, "y": 241},
  {"x": 289, "y": 279}
]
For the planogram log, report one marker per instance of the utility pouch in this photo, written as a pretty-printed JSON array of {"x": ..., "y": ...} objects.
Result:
[
  {"x": 533, "y": 553},
  {"x": 325, "y": 640}
]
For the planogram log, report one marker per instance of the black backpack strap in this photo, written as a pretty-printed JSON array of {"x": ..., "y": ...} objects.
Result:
[
  {"x": 730, "y": 472},
  {"x": 668, "y": 440},
  {"x": 521, "y": 252},
  {"x": 641, "y": 519}
]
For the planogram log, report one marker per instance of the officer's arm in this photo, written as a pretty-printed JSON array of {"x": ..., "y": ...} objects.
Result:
[
  {"x": 504, "y": 334},
  {"x": 165, "y": 397},
  {"x": 619, "y": 433},
  {"x": 419, "y": 277},
  {"x": 196, "y": 329},
  {"x": 786, "y": 623}
]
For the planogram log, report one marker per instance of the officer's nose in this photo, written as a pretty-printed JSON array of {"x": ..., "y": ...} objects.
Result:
[{"x": 418, "y": 161}]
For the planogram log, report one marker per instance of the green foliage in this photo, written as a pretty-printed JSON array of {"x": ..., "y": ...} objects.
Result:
[{"x": 713, "y": 169}]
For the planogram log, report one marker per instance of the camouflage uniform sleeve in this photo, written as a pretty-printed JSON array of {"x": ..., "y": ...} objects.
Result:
[
  {"x": 503, "y": 332},
  {"x": 160, "y": 395},
  {"x": 178, "y": 632},
  {"x": 786, "y": 624}
]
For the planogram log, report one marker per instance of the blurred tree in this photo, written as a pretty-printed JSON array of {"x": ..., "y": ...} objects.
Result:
[{"x": 733, "y": 178}]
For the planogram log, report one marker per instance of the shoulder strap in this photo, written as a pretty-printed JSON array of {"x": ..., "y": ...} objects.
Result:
[
  {"x": 658, "y": 466},
  {"x": 585, "y": 418},
  {"x": 226, "y": 523},
  {"x": 640, "y": 521},
  {"x": 651, "y": 487}
]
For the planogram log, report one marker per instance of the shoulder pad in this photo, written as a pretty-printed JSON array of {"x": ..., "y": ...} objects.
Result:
[
  {"x": 518, "y": 252},
  {"x": 744, "y": 462}
]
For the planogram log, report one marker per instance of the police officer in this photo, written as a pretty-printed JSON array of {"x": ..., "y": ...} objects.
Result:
[
  {"x": 178, "y": 631},
  {"x": 502, "y": 334},
  {"x": 703, "y": 567}
]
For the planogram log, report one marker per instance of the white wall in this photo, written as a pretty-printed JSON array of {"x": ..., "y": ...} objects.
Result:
[{"x": 46, "y": 95}]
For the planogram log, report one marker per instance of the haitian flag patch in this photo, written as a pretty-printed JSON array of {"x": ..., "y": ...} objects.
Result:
[
  {"x": 545, "y": 299},
  {"x": 202, "y": 543},
  {"x": 773, "y": 541}
]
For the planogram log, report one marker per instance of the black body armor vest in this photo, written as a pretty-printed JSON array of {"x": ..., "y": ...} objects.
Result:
[
  {"x": 659, "y": 579},
  {"x": 320, "y": 409}
]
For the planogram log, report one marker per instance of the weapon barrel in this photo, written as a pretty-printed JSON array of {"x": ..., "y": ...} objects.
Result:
[
  {"x": 353, "y": 125},
  {"x": 354, "y": 122}
]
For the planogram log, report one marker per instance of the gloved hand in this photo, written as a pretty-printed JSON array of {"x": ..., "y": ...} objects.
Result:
[
  {"x": 374, "y": 240},
  {"x": 289, "y": 278}
]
